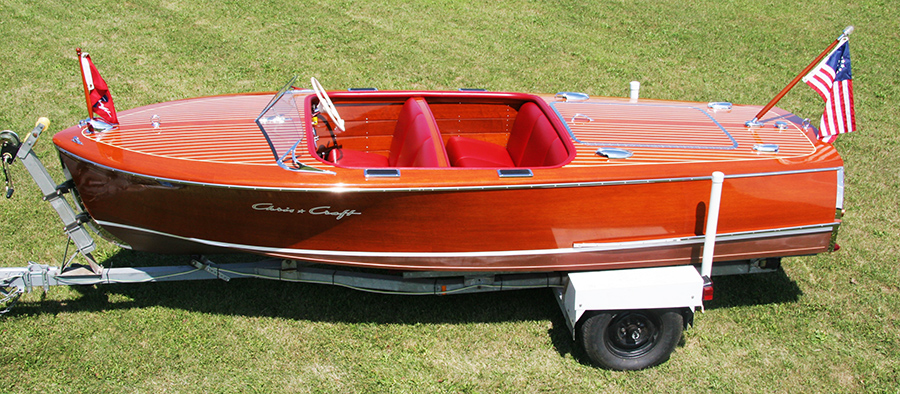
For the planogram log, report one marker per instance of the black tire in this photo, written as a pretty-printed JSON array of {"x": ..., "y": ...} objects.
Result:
[{"x": 630, "y": 340}]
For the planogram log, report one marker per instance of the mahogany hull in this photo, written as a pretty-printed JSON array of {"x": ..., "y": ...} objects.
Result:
[
  {"x": 207, "y": 181},
  {"x": 558, "y": 227}
]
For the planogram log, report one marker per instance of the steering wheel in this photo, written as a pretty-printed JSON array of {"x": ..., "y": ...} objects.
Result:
[{"x": 326, "y": 103}]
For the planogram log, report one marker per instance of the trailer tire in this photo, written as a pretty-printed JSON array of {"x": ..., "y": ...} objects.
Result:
[{"x": 630, "y": 340}]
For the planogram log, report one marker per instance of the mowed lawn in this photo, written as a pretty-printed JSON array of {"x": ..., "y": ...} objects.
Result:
[{"x": 828, "y": 323}]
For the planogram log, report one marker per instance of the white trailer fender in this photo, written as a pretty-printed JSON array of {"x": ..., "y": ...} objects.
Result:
[{"x": 630, "y": 289}]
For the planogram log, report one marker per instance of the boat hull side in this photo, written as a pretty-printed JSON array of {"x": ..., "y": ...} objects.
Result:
[
  {"x": 733, "y": 247},
  {"x": 539, "y": 227}
]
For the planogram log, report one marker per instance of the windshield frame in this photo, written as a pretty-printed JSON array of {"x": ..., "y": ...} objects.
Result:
[{"x": 283, "y": 124}]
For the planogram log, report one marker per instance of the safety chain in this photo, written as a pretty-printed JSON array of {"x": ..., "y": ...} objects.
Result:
[{"x": 9, "y": 295}]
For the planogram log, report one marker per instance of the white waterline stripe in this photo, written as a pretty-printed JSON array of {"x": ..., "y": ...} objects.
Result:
[{"x": 577, "y": 248}]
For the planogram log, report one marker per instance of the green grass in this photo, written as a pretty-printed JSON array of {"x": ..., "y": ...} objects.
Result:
[{"x": 828, "y": 323}]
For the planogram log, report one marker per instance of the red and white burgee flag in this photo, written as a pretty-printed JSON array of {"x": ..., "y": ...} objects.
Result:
[
  {"x": 99, "y": 99},
  {"x": 833, "y": 81}
]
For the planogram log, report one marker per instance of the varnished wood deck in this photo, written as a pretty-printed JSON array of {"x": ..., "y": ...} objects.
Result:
[{"x": 222, "y": 129}]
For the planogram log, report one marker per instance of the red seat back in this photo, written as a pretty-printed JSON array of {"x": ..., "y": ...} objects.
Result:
[
  {"x": 533, "y": 142},
  {"x": 417, "y": 141}
]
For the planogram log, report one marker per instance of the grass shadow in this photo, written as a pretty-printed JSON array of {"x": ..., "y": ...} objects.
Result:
[
  {"x": 327, "y": 303},
  {"x": 755, "y": 289},
  {"x": 299, "y": 301}
]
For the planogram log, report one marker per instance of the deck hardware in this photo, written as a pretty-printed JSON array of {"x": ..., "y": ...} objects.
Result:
[
  {"x": 635, "y": 91},
  {"x": 154, "y": 121},
  {"x": 571, "y": 96},
  {"x": 382, "y": 173},
  {"x": 720, "y": 106},
  {"x": 614, "y": 153},
  {"x": 472, "y": 90},
  {"x": 766, "y": 148},
  {"x": 77, "y": 140},
  {"x": 515, "y": 173},
  {"x": 581, "y": 118},
  {"x": 96, "y": 125},
  {"x": 362, "y": 90},
  {"x": 805, "y": 124},
  {"x": 781, "y": 125},
  {"x": 753, "y": 123}
]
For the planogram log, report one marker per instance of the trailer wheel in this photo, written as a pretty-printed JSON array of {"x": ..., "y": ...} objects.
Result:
[{"x": 630, "y": 340}]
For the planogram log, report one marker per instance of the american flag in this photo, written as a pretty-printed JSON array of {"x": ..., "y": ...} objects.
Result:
[{"x": 833, "y": 81}]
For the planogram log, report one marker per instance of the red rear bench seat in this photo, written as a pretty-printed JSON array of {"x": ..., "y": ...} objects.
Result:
[
  {"x": 533, "y": 142},
  {"x": 416, "y": 142}
]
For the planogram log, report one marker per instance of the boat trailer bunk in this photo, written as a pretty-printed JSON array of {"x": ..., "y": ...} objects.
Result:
[{"x": 624, "y": 319}]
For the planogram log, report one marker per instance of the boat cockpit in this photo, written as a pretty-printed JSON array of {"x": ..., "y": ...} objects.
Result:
[{"x": 372, "y": 129}]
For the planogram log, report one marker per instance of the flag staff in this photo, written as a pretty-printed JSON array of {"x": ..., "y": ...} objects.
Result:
[
  {"x": 755, "y": 121},
  {"x": 87, "y": 94}
]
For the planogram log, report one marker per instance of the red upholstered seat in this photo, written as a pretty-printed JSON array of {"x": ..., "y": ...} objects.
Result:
[
  {"x": 467, "y": 152},
  {"x": 533, "y": 142},
  {"x": 355, "y": 158},
  {"x": 416, "y": 142}
]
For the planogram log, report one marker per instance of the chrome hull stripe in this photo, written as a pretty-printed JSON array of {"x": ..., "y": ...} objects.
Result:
[
  {"x": 344, "y": 189},
  {"x": 840, "y": 188},
  {"x": 577, "y": 248}
]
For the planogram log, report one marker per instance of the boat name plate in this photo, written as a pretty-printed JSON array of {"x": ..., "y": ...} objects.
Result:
[{"x": 324, "y": 210}]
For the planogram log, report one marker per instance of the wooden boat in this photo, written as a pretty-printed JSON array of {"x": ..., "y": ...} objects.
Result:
[{"x": 456, "y": 181}]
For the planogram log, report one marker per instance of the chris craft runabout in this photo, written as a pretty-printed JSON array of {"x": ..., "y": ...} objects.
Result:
[{"x": 456, "y": 180}]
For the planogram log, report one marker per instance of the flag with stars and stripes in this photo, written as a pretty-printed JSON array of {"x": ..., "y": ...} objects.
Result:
[{"x": 833, "y": 81}]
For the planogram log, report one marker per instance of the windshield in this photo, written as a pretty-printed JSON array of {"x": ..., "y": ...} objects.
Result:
[{"x": 282, "y": 123}]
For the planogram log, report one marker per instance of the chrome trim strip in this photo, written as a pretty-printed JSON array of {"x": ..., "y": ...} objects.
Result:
[
  {"x": 576, "y": 248},
  {"x": 515, "y": 173},
  {"x": 839, "y": 204},
  {"x": 382, "y": 173},
  {"x": 838, "y": 209},
  {"x": 344, "y": 189}
]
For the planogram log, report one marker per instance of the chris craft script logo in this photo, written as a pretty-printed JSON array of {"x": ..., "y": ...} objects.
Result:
[{"x": 317, "y": 211}]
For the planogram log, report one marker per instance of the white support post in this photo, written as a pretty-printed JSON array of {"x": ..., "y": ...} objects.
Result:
[{"x": 712, "y": 223}]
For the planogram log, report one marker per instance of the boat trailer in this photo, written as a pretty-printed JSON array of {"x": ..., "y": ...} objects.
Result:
[{"x": 624, "y": 319}]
